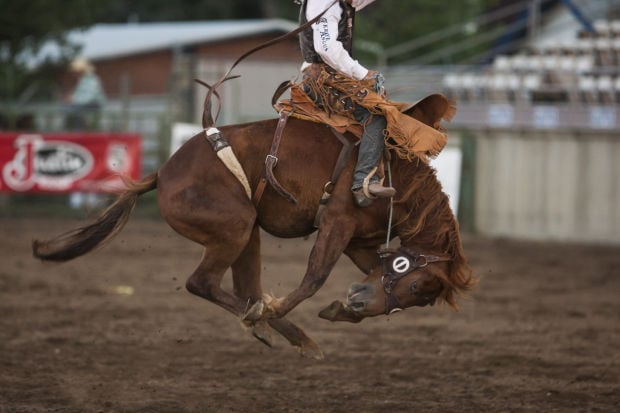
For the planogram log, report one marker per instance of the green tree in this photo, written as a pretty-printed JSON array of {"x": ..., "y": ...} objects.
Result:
[
  {"x": 191, "y": 10},
  {"x": 25, "y": 26},
  {"x": 393, "y": 22}
]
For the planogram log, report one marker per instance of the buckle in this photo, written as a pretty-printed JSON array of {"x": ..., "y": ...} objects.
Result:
[{"x": 275, "y": 159}]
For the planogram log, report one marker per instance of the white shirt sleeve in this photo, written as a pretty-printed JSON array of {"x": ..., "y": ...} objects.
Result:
[
  {"x": 326, "y": 42},
  {"x": 360, "y": 4}
]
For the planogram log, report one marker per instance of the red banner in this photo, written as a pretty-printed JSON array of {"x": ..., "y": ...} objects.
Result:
[{"x": 67, "y": 162}]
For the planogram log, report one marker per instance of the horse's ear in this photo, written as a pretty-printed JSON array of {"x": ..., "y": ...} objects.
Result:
[{"x": 432, "y": 109}]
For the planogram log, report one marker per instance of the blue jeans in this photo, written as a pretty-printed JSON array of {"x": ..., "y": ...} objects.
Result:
[{"x": 372, "y": 145}]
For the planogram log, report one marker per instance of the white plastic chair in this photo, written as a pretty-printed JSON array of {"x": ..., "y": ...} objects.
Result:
[
  {"x": 519, "y": 62},
  {"x": 567, "y": 63},
  {"x": 534, "y": 63},
  {"x": 584, "y": 64},
  {"x": 530, "y": 83},
  {"x": 502, "y": 63},
  {"x": 602, "y": 27},
  {"x": 605, "y": 88},
  {"x": 587, "y": 88}
]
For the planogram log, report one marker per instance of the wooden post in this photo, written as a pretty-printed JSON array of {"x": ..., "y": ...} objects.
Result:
[{"x": 466, "y": 209}]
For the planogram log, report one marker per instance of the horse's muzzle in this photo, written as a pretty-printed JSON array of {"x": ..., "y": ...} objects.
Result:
[{"x": 359, "y": 296}]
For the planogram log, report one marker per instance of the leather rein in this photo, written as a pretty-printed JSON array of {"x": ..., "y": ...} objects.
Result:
[{"x": 208, "y": 120}]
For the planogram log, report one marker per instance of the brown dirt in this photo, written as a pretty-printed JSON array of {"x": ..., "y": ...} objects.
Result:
[{"x": 541, "y": 333}]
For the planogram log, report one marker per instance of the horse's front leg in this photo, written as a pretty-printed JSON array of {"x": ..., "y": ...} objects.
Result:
[
  {"x": 331, "y": 241},
  {"x": 365, "y": 257},
  {"x": 246, "y": 272}
]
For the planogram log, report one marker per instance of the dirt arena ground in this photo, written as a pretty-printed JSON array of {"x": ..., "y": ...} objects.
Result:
[{"x": 116, "y": 331}]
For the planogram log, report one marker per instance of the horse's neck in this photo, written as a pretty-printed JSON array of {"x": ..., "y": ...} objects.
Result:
[{"x": 426, "y": 219}]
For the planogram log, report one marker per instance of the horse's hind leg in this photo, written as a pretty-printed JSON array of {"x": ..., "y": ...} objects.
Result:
[
  {"x": 221, "y": 249},
  {"x": 246, "y": 270},
  {"x": 247, "y": 285},
  {"x": 206, "y": 280}
]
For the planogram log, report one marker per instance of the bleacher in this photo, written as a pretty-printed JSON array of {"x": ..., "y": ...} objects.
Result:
[{"x": 585, "y": 69}]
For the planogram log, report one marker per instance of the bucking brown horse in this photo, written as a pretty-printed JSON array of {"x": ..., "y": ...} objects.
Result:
[{"x": 202, "y": 200}]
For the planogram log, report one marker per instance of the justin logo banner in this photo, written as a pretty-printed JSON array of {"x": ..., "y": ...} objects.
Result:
[{"x": 66, "y": 162}]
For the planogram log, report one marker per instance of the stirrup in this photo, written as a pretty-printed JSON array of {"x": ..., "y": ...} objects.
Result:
[
  {"x": 360, "y": 199},
  {"x": 380, "y": 191},
  {"x": 366, "y": 183}
]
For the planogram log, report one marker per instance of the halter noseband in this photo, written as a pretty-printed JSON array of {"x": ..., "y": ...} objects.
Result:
[{"x": 398, "y": 263}]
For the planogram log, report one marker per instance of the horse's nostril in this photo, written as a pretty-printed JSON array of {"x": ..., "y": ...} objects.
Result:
[{"x": 355, "y": 289}]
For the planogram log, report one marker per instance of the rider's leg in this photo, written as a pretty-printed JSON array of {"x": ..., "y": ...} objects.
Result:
[{"x": 371, "y": 148}]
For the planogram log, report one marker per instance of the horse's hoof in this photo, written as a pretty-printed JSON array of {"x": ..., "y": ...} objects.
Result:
[
  {"x": 262, "y": 332},
  {"x": 255, "y": 312},
  {"x": 311, "y": 350},
  {"x": 331, "y": 311},
  {"x": 337, "y": 311}
]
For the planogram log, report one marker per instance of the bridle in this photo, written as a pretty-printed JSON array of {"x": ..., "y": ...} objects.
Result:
[{"x": 398, "y": 263}]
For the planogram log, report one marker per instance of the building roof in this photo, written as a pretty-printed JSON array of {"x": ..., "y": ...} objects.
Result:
[{"x": 103, "y": 41}]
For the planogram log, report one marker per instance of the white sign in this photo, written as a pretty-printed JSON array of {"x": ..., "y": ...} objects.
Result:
[
  {"x": 603, "y": 117},
  {"x": 448, "y": 166},
  {"x": 181, "y": 133},
  {"x": 500, "y": 115},
  {"x": 546, "y": 117}
]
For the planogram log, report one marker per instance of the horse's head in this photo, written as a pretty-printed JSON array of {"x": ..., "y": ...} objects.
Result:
[
  {"x": 404, "y": 279},
  {"x": 411, "y": 276}
]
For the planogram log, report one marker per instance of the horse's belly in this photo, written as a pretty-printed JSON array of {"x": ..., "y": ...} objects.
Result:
[{"x": 282, "y": 219}]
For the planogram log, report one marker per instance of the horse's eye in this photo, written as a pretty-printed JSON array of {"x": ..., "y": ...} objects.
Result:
[{"x": 414, "y": 286}]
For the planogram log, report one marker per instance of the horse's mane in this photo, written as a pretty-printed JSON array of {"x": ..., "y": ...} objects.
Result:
[{"x": 429, "y": 222}]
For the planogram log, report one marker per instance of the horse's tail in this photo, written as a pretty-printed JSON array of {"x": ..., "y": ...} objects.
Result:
[{"x": 81, "y": 240}]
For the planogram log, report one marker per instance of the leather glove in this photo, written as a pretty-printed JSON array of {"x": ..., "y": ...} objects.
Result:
[{"x": 378, "y": 81}]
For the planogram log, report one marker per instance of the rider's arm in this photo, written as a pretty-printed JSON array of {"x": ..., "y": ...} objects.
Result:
[
  {"x": 326, "y": 42},
  {"x": 360, "y": 4}
]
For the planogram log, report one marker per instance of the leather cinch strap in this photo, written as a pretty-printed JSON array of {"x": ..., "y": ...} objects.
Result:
[
  {"x": 270, "y": 162},
  {"x": 343, "y": 158}
]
